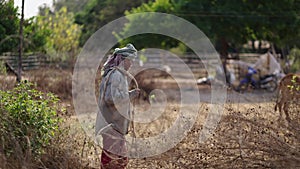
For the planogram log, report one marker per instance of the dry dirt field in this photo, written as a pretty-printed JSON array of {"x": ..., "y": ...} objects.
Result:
[{"x": 250, "y": 134}]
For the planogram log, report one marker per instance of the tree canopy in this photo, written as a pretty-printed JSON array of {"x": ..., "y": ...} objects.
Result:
[
  {"x": 63, "y": 34},
  {"x": 8, "y": 26},
  {"x": 232, "y": 22},
  {"x": 73, "y": 6},
  {"x": 34, "y": 38},
  {"x": 225, "y": 23},
  {"x": 97, "y": 13}
]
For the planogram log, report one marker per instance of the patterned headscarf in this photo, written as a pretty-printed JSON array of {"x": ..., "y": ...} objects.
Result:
[
  {"x": 128, "y": 52},
  {"x": 119, "y": 54}
]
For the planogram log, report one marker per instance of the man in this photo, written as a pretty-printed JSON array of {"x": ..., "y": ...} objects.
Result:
[{"x": 114, "y": 102}]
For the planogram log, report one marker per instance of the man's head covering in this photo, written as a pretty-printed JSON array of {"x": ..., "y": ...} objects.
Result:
[
  {"x": 127, "y": 52},
  {"x": 119, "y": 54}
]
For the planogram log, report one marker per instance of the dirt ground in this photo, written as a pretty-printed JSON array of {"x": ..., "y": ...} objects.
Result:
[{"x": 249, "y": 133}]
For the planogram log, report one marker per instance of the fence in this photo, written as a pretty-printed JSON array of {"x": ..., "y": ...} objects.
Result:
[
  {"x": 196, "y": 65},
  {"x": 30, "y": 61}
]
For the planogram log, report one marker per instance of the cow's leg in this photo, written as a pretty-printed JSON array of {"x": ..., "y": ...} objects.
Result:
[
  {"x": 286, "y": 111},
  {"x": 278, "y": 98},
  {"x": 276, "y": 106},
  {"x": 279, "y": 106}
]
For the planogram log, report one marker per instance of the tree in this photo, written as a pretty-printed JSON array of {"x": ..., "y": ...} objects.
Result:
[
  {"x": 97, "y": 13},
  {"x": 150, "y": 40},
  {"x": 227, "y": 23},
  {"x": 62, "y": 42},
  {"x": 35, "y": 38},
  {"x": 73, "y": 6},
  {"x": 8, "y": 26},
  {"x": 234, "y": 22},
  {"x": 294, "y": 58}
]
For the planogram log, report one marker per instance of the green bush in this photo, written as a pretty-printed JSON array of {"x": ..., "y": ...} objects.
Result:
[
  {"x": 28, "y": 120},
  {"x": 2, "y": 68},
  {"x": 294, "y": 58}
]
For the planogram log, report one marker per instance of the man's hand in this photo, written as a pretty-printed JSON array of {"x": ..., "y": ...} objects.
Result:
[{"x": 134, "y": 93}]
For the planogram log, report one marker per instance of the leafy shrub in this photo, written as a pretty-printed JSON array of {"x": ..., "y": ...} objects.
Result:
[
  {"x": 2, "y": 68},
  {"x": 294, "y": 59},
  {"x": 28, "y": 120},
  {"x": 295, "y": 86},
  {"x": 51, "y": 80}
]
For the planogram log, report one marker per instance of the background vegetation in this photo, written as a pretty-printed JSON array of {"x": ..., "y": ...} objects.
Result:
[
  {"x": 37, "y": 129},
  {"x": 62, "y": 30},
  {"x": 29, "y": 119}
]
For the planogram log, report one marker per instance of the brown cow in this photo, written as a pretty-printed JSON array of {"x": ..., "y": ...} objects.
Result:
[{"x": 288, "y": 90}]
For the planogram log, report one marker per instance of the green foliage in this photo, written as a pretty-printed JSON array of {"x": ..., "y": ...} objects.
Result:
[
  {"x": 97, "y": 13},
  {"x": 2, "y": 68},
  {"x": 73, "y": 6},
  {"x": 157, "y": 6},
  {"x": 231, "y": 22},
  {"x": 63, "y": 40},
  {"x": 8, "y": 26},
  {"x": 294, "y": 58},
  {"x": 180, "y": 49},
  {"x": 28, "y": 120},
  {"x": 35, "y": 38},
  {"x": 142, "y": 56},
  {"x": 149, "y": 40},
  {"x": 294, "y": 87}
]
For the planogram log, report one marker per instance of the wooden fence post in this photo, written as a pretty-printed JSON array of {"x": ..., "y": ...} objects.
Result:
[{"x": 19, "y": 76}]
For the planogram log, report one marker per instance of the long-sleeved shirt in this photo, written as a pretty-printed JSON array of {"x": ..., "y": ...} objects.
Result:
[{"x": 114, "y": 102}]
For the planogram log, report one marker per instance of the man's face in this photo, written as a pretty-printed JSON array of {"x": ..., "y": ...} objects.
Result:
[{"x": 127, "y": 64}]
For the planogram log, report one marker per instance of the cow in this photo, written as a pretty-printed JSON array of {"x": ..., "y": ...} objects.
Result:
[{"x": 288, "y": 91}]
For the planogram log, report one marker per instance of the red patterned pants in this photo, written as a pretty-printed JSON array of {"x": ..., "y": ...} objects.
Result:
[{"x": 114, "y": 151}]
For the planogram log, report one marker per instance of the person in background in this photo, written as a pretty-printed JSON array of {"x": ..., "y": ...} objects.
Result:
[
  {"x": 248, "y": 79},
  {"x": 113, "y": 120}
]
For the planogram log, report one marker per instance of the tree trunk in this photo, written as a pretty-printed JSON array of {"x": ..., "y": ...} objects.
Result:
[
  {"x": 224, "y": 56},
  {"x": 19, "y": 77}
]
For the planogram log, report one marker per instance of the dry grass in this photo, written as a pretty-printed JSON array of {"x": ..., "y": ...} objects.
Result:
[
  {"x": 7, "y": 81},
  {"x": 249, "y": 135},
  {"x": 71, "y": 149},
  {"x": 57, "y": 81}
]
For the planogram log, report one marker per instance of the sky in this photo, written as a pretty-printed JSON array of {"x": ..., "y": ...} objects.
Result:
[{"x": 31, "y": 7}]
